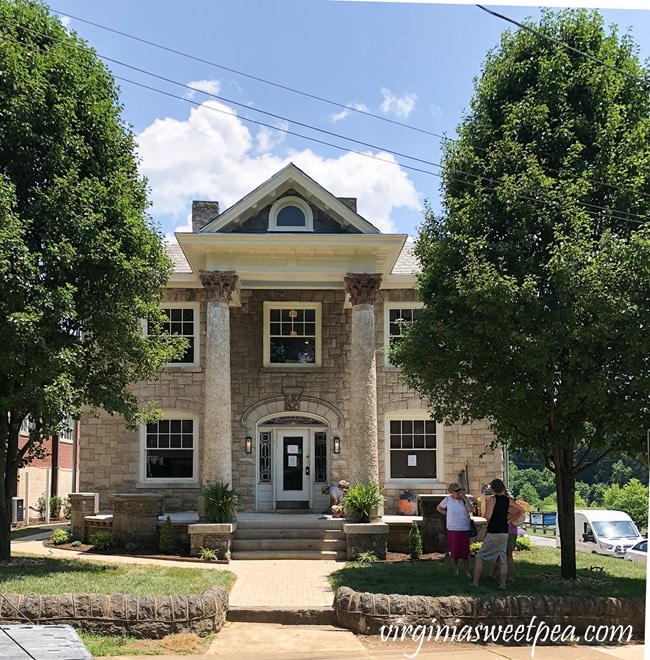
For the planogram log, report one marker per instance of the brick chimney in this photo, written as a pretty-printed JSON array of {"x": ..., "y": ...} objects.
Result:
[{"x": 202, "y": 213}]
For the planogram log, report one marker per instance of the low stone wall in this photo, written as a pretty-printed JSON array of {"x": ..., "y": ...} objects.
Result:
[
  {"x": 144, "y": 617},
  {"x": 366, "y": 613}
]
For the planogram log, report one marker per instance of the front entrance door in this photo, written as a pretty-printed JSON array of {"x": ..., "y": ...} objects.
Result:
[{"x": 292, "y": 469}]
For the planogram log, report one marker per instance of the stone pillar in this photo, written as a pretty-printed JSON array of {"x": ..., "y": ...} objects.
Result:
[
  {"x": 217, "y": 433},
  {"x": 135, "y": 516},
  {"x": 364, "y": 459},
  {"x": 82, "y": 505}
]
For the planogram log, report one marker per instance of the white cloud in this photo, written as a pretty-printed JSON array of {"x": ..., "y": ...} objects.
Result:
[
  {"x": 399, "y": 106},
  {"x": 212, "y": 155},
  {"x": 207, "y": 86},
  {"x": 338, "y": 116}
]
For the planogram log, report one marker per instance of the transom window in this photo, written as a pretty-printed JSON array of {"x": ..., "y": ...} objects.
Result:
[
  {"x": 292, "y": 334},
  {"x": 291, "y": 214},
  {"x": 169, "y": 449},
  {"x": 397, "y": 319},
  {"x": 182, "y": 321},
  {"x": 413, "y": 447}
]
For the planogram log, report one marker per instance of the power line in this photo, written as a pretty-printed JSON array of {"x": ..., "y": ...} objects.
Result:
[
  {"x": 252, "y": 77},
  {"x": 481, "y": 179},
  {"x": 312, "y": 96},
  {"x": 557, "y": 42}
]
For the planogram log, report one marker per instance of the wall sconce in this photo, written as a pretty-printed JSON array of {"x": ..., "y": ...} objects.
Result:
[
  {"x": 337, "y": 445},
  {"x": 248, "y": 444}
]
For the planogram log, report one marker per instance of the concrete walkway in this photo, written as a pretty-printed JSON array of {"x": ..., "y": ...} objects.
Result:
[{"x": 289, "y": 586}]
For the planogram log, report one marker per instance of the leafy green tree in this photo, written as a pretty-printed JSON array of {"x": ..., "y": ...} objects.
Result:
[
  {"x": 535, "y": 276},
  {"x": 541, "y": 480},
  {"x": 597, "y": 495},
  {"x": 80, "y": 262},
  {"x": 528, "y": 493},
  {"x": 632, "y": 498}
]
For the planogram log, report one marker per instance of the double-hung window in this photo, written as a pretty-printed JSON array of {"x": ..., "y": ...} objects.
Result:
[
  {"x": 182, "y": 320},
  {"x": 292, "y": 334},
  {"x": 169, "y": 449},
  {"x": 414, "y": 446},
  {"x": 397, "y": 317}
]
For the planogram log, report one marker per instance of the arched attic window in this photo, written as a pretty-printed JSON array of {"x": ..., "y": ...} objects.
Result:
[{"x": 291, "y": 214}]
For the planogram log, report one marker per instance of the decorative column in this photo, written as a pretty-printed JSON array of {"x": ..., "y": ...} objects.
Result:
[
  {"x": 364, "y": 459},
  {"x": 217, "y": 433}
]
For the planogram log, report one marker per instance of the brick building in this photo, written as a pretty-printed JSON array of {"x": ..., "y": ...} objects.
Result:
[{"x": 289, "y": 300}]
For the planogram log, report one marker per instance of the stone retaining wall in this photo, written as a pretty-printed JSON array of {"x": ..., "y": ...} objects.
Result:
[
  {"x": 144, "y": 617},
  {"x": 366, "y": 613}
]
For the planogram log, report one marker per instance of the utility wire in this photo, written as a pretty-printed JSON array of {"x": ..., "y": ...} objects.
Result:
[
  {"x": 601, "y": 211},
  {"x": 557, "y": 42},
  {"x": 252, "y": 77},
  {"x": 325, "y": 100}
]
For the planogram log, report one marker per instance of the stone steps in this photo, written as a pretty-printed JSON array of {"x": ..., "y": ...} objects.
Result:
[{"x": 309, "y": 539}]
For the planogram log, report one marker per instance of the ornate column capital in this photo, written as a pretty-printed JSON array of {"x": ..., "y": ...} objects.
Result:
[
  {"x": 362, "y": 287},
  {"x": 218, "y": 284}
]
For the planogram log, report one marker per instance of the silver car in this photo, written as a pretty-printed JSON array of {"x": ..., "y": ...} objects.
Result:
[{"x": 638, "y": 552}]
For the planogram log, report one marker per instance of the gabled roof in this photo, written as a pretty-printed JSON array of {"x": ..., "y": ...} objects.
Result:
[{"x": 289, "y": 177}]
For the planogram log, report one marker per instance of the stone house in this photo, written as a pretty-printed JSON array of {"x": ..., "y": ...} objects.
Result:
[{"x": 289, "y": 300}]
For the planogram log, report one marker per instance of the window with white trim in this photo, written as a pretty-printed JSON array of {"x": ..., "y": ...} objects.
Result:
[
  {"x": 413, "y": 446},
  {"x": 291, "y": 214},
  {"x": 169, "y": 448},
  {"x": 398, "y": 316},
  {"x": 183, "y": 321},
  {"x": 292, "y": 334}
]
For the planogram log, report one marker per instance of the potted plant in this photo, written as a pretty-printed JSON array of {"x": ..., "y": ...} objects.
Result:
[
  {"x": 220, "y": 502},
  {"x": 360, "y": 501}
]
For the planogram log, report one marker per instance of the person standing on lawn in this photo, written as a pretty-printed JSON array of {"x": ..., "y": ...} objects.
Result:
[
  {"x": 499, "y": 510},
  {"x": 457, "y": 508}
]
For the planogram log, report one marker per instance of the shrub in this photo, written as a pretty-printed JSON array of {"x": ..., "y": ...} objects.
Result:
[
  {"x": 60, "y": 536},
  {"x": 166, "y": 541},
  {"x": 208, "y": 554},
  {"x": 220, "y": 502},
  {"x": 131, "y": 547},
  {"x": 523, "y": 543},
  {"x": 415, "y": 541},
  {"x": 75, "y": 544},
  {"x": 367, "y": 557},
  {"x": 55, "y": 507},
  {"x": 102, "y": 540},
  {"x": 41, "y": 505}
]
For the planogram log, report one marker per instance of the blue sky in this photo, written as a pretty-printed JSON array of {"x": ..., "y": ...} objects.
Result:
[{"x": 412, "y": 63}]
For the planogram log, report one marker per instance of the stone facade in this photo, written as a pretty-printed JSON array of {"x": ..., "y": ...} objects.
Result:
[
  {"x": 236, "y": 402},
  {"x": 110, "y": 452}
]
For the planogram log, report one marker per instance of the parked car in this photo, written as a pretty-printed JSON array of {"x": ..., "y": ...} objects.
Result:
[{"x": 638, "y": 552}]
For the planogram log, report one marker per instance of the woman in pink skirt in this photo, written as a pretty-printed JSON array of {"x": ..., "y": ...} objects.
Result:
[{"x": 456, "y": 508}]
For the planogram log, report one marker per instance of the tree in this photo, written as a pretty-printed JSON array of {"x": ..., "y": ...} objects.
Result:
[
  {"x": 632, "y": 498},
  {"x": 80, "y": 262},
  {"x": 536, "y": 273}
]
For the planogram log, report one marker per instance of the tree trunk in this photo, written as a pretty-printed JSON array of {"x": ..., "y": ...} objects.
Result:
[
  {"x": 5, "y": 530},
  {"x": 565, "y": 483}
]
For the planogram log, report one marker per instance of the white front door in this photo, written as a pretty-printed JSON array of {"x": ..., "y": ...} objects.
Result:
[{"x": 293, "y": 468}]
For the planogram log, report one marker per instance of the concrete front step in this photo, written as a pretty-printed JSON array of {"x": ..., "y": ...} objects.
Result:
[
  {"x": 292, "y": 544},
  {"x": 296, "y": 616},
  {"x": 289, "y": 554},
  {"x": 290, "y": 533}
]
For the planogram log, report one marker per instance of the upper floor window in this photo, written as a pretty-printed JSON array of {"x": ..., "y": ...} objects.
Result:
[
  {"x": 397, "y": 317},
  {"x": 183, "y": 321},
  {"x": 169, "y": 448},
  {"x": 292, "y": 334},
  {"x": 291, "y": 214}
]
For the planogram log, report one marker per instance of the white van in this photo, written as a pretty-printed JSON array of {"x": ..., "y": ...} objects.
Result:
[{"x": 603, "y": 532}]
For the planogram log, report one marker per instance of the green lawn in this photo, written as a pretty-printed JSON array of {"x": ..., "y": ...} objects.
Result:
[
  {"x": 536, "y": 572},
  {"x": 42, "y": 575}
]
